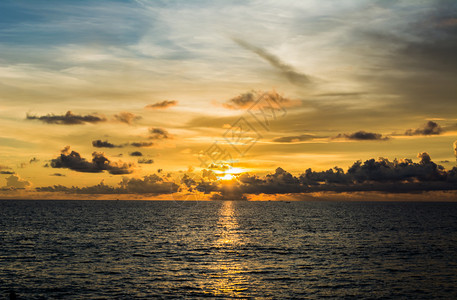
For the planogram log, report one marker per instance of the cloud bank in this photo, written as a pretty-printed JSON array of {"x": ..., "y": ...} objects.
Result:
[{"x": 381, "y": 175}]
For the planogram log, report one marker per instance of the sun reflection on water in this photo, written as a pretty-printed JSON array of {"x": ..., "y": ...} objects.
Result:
[{"x": 228, "y": 279}]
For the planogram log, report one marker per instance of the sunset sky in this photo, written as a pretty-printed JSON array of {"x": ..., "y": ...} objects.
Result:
[{"x": 152, "y": 99}]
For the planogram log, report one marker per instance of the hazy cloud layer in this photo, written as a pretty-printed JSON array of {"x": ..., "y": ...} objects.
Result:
[
  {"x": 68, "y": 119},
  {"x": 162, "y": 105},
  {"x": 72, "y": 160}
]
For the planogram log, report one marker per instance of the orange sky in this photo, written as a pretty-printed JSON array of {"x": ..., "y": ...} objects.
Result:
[{"x": 219, "y": 100}]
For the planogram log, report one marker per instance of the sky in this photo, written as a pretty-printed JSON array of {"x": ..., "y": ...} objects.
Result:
[{"x": 228, "y": 99}]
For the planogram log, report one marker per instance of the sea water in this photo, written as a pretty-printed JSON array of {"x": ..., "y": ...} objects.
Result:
[{"x": 227, "y": 249}]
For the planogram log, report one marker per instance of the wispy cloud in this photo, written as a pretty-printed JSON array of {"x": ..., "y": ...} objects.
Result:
[{"x": 286, "y": 70}]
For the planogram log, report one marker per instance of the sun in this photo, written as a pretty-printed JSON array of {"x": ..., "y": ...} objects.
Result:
[
  {"x": 229, "y": 174},
  {"x": 227, "y": 177}
]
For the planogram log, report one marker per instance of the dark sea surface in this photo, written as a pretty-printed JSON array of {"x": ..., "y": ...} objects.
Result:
[{"x": 227, "y": 249}]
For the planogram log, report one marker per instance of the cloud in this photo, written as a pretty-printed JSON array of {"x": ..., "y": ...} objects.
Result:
[
  {"x": 293, "y": 139},
  {"x": 73, "y": 161},
  {"x": 247, "y": 100},
  {"x": 136, "y": 153},
  {"x": 242, "y": 101},
  {"x": 127, "y": 117},
  {"x": 104, "y": 144},
  {"x": 58, "y": 175},
  {"x": 33, "y": 160},
  {"x": 430, "y": 128},
  {"x": 68, "y": 119},
  {"x": 363, "y": 136},
  {"x": 3, "y": 167},
  {"x": 286, "y": 70},
  {"x": 162, "y": 105},
  {"x": 15, "y": 182},
  {"x": 455, "y": 149},
  {"x": 7, "y": 172},
  {"x": 381, "y": 175},
  {"x": 142, "y": 144},
  {"x": 146, "y": 161},
  {"x": 151, "y": 184},
  {"x": 159, "y": 134}
]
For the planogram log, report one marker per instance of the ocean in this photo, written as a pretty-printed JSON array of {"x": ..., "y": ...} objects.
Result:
[{"x": 227, "y": 249}]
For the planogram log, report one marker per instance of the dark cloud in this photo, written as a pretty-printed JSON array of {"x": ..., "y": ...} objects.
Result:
[
  {"x": 127, "y": 117},
  {"x": 430, "y": 128},
  {"x": 455, "y": 149},
  {"x": 146, "y": 161},
  {"x": 73, "y": 161},
  {"x": 373, "y": 175},
  {"x": 104, "y": 144},
  {"x": 362, "y": 136},
  {"x": 162, "y": 105},
  {"x": 142, "y": 144},
  {"x": 136, "y": 153},
  {"x": 287, "y": 71},
  {"x": 242, "y": 101},
  {"x": 58, "y": 175},
  {"x": 293, "y": 139},
  {"x": 7, "y": 172},
  {"x": 68, "y": 119},
  {"x": 158, "y": 134},
  {"x": 263, "y": 99},
  {"x": 15, "y": 182},
  {"x": 424, "y": 53},
  {"x": 33, "y": 160},
  {"x": 381, "y": 175}
]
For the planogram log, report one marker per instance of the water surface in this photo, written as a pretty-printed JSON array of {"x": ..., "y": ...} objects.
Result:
[{"x": 227, "y": 249}]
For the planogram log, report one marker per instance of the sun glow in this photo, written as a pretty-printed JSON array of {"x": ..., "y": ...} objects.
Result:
[
  {"x": 229, "y": 173},
  {"x": 227, "y": 177}
]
